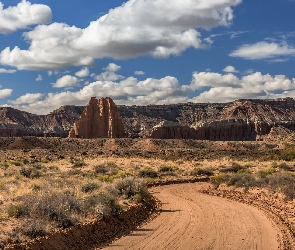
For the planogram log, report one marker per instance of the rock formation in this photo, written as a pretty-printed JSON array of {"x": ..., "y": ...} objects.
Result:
[
  {"x": 100, "y": 119},
  {"x": 172, "y": 130},
  {"x": 237, "y": 120}
]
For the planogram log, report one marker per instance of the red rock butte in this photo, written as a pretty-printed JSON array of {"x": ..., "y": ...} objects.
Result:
[{"x": 100, "y": 119}]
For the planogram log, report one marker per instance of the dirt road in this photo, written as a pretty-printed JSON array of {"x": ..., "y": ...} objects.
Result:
[{"x": 191, "y": 220}]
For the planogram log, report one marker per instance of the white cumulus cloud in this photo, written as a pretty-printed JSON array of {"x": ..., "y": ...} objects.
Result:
[
  {"x": 110, "y": 73},
  {"x": 204, "y": 87},
  {"x": 139, "y": 73},
  {"x": 112, "y": 67},
  {"x": 66, "y": 82},
  {"x": 136, "y": 28},
  {"x": 39, "y": 78},
  {"x": 7, "y": 71},
  {"x": 225, "y": 88},
  {"x": 263, "y": 50},
  {"x": 4, "y": 93},
  {"x": 83, "y": 72},
  {"x": 27, "y": 99},
  {"x": 230, "y": 69},
  {"x": 22, "y": 16}
]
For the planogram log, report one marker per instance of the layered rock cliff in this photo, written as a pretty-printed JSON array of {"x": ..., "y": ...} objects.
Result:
[
  {"x": 100, "y": 119},
  {"x": 238, "y": 120}
]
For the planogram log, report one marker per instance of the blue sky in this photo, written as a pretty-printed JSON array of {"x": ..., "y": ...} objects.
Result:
[{"x": 144, "y": 52}]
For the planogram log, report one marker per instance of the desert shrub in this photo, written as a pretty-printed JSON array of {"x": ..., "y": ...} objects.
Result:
[
  {"x": 200, "y": 171},
  {"x": 241, "y": 180},
  {"x": 102, "y": 204},
  {"x": 16, "y": 163},
  {"x": 101, "y": 169},
  {"x": 45, "y": 160},
  {"x": 166, "y": 168},
  {"x": 4, "y": 165},
  {"x": 89, "y": 187},
  {"x": 15, "y": 210},
  {"x": 137, "y": 198},
  {"x": 35, "y": 174},
  {"x": 109, "y": 168},
  {"x": 53, "y": 167},
  {"x": 14, "y": 236},
  {"x": 264, "y": 173},
  {"x": 26, "y": 172},
  {"x": 216, "y": 180},
  {"x": 277, "y": 181},
  {"x": 288, "y": 154},
  {"x": 30, "y": 172},
  {"x": 234, "y": 168},
  {"x": 77, "y": 163},
  {"x": 147, "y": 172},
  {"x": 75, "y": 172},
  {"x": 36, "y": 187},
  {"x": 105, "y": 178},
  {"x": 34, "y": 228},
  {"x": 129, "y": 186},
  {"x": 2, "y": 185},
  {"x": 285, "y": 166},
  {"x": 57, "y": 207}
]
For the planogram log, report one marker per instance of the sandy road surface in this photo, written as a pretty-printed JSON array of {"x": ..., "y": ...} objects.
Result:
[{"x": 191, "y": 220}]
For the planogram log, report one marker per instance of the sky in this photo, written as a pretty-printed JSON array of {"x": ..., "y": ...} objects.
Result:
[{"x": 142, "y": 52}]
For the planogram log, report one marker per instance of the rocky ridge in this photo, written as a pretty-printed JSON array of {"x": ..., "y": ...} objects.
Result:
[{"x": 238, "y": 120}]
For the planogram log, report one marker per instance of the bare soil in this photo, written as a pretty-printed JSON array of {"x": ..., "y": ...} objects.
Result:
[{"x": 192, "y": 220}]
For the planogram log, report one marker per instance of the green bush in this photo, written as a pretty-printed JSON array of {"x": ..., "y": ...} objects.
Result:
[
  {"x": 16, "y": 163},
  {"x": 200, "y": 171},
  {"x": 264, "y": 173},
  {"x": 129, "y": 186},
  {"x": 106, "y": 178},
  {"x": 216, "y": 180},
  {"x": 137, "y": 198},
  {"x": 15, "y": 210},
  {"x": 166, "y": 168}
]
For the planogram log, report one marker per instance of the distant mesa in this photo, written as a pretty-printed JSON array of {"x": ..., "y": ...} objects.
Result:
[
  {"x": 100, "y": 119},
  {"x": 240, "y": 120}
]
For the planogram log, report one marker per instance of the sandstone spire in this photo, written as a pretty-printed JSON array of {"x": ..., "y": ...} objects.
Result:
[{"x": 100, "y": 119}]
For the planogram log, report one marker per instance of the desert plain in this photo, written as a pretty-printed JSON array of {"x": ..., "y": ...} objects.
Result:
[{"x": 63, "y": 193}]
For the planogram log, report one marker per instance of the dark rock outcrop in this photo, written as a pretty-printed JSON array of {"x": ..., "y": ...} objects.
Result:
[
  {"x": 173, "y": 130},
  {"x": 100, "y": 119}
]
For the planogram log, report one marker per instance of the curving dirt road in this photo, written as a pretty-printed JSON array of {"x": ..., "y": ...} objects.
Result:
[{"x": 191, "y": 220}]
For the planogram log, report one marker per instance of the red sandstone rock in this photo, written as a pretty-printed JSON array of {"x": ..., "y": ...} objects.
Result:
[{"x": 100, "y": 119}]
